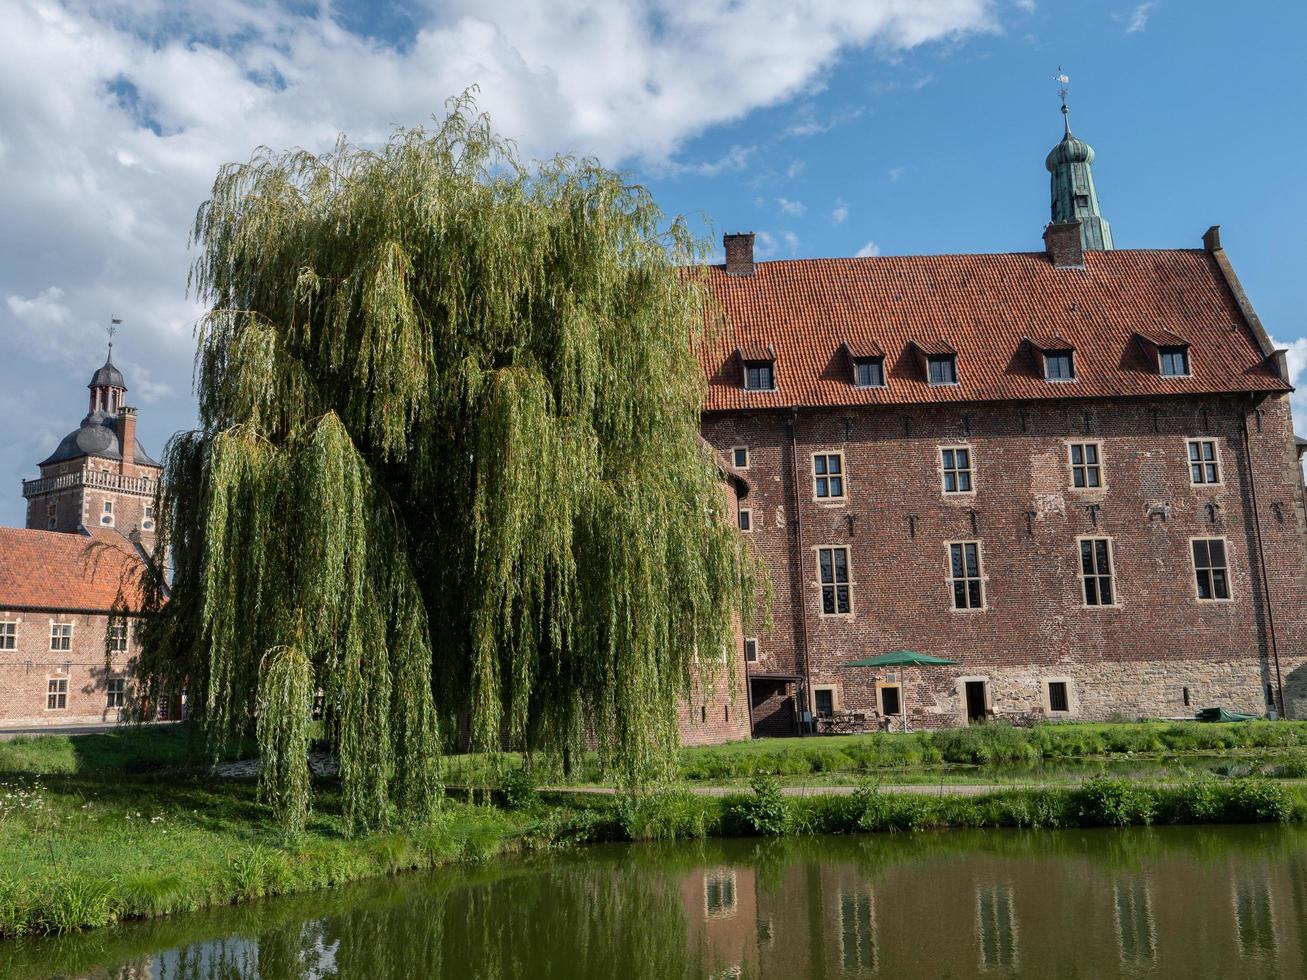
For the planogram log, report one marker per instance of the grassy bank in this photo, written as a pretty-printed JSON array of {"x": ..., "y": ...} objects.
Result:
[
  {"x": 106, "y": 841},
  {"x": 924, "y": 756}
]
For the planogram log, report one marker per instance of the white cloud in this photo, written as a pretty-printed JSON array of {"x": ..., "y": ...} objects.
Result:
[
  {"x": 1297, "y": 358},
  {"x": 1138, "y": 19},
  {"x": 839, "y": 213},
  {"x": 795, "y": 168},
  {"x": 868, "y": 251},
  {"x": 115, "y": 115},
  {"x": 895, "y": 173},
  {"x": 1027, "y": 5},
  {"x": 795, "y": 208}
]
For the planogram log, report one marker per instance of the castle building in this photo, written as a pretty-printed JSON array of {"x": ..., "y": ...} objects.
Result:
[
  {"x": 69, "y": 581},
  {"x": 99, "y": 475},
  {"x": 1072, "y": 472}
]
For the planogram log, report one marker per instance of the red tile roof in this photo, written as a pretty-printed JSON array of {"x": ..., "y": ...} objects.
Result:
[
  {"x": 984, "y": 307},
  {"x": 66, "y": 572}
]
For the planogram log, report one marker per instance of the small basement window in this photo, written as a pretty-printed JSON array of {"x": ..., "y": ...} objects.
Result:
[
  {"x": 942, "y": 369},
  {"x": 760, "y": 375},
  {"x": 869, "y": 372},
  {"x": 1058, "y": 699},
  {"x": 1173, "y": 362}
]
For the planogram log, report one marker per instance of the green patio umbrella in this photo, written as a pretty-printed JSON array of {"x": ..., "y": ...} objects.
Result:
[{"x": 903, "y": 658}]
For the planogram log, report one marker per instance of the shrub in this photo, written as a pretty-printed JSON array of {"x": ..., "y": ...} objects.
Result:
[
  {"x": 672, "y": 815},
  {"x": 518, "y": 787},
  {"x": 764, "y": 812},
  {"x": 1115, "y": 803},
  {"x": 1258, "y": 800}
]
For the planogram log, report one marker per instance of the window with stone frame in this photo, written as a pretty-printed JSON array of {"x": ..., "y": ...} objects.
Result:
[
  {"x": 740, "y": 457},
  {"x": 751, "y": 650},
  {"x": 115, "y": 692},
  {"x": 828, "y": 476},
  {"x": 147, "y": 520},
  {"x": 61, "y": 636},
  {"x": 746, "y": 519},
  {"x": 1096, "y": 574},
  {"x": 8, "y": 636},
  {"x": 965, "y": 575},
  {"x": 52, "y": 515},
  {"x": 106, "y": 517},
  {"x": 1204, "y": 463},
  {"x": 1086, "y": 465},
  {"x": 1058, "y": 697},
  {"x": 56, "y": 694},
  {"x": 1211, "y": 569},
  {"x": 955, "y": 464},
  {"x": 833, "y": 569},
  {"x": 117, "y": 637}
]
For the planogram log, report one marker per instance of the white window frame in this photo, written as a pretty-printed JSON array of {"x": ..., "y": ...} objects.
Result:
[
  {"x": 9, "y": 634},
  {"x": 742, "y": 512},
  {"x": 1111, "y": 572},
  {"x": 110, "y": 693},
  {"x": 58, "y": 638},
  {"x": 980, "y": 577},
  {"x": 944, "y": 470},
  {"x": 1215, "y": 461},
  {"x": 116, "y": 643},
  {"x": 842, "y": 475},
  {"x": 754, "y": 641}
]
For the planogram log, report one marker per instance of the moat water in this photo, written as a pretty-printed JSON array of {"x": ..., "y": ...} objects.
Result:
[{"x": 1191, "y": 903}]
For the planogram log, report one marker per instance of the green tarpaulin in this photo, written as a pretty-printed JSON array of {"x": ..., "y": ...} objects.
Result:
[
  {"x": 903, "y": 658},
  {"x": 1220, "y": 714}
]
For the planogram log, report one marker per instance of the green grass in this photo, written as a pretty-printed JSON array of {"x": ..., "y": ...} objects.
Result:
[
  {"x": 996, "y": 753},
  {"x": 127, "y": 749}
]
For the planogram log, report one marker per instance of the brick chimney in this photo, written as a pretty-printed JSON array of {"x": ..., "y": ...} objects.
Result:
[
  {"x": 127, "y": 434},
  {"x": 739, "y": 253},
  {"x": 1062, "y": 242}
]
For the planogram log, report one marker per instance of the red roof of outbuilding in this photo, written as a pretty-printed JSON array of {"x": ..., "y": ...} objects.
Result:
[
  {"x": 67, "y": 572},
  {"x": 984, "y": 307}
]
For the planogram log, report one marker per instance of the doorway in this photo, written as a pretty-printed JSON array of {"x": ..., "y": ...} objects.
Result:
[{"x": 977, "y": 709}]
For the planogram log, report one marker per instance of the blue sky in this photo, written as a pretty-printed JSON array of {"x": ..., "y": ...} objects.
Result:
[{"x": 829, "y": 128}]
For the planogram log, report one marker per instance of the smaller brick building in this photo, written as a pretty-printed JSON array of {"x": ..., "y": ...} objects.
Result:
[{"x": 59, "y": 663}]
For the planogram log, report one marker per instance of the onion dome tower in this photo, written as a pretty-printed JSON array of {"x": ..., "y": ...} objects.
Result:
[{"x": 1073, "y": 193}]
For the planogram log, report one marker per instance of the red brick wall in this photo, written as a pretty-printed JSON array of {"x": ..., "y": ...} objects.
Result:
[
  {"x": 84, "y": 506},
  {"x": 1135, "y": 658},
  {"x": 25, "y": 671}
]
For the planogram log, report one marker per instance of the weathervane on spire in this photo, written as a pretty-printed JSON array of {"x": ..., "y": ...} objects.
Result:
[
  {"x": 114, "y": 324},
  {"x": 1063, "y": 80}
]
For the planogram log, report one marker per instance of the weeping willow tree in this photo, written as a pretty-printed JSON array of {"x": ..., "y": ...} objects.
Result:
[{"x": 448, "y": 470}]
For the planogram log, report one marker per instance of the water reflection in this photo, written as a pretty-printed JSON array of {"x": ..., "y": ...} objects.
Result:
[{"x": 1217, "y": 902}]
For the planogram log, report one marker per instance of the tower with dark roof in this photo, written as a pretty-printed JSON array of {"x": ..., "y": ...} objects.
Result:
[
  {"x": 1073, "y": 193},
  {"x": 99, "y": 475}
]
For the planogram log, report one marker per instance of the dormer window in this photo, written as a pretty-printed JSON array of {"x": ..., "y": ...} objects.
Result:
[
  {"x": 1173, "y": 361},
  {"x": 869, "y": 372},
  {"x": 942, "y": 369},
  {"x": 1056, "y": 357},
  {"x": 867, "y": 361},
  {"x": 1168, "y": 351},
  {"x": 759, "y": 367},
  {"x": 759, "y": 376}
]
